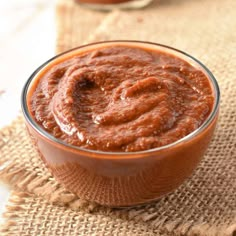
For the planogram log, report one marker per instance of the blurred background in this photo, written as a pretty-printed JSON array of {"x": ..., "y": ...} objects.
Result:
[{"x": 26, "y": 27}]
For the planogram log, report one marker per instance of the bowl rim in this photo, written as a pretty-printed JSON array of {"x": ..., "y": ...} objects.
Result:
[{"x": 104, "y": 154}]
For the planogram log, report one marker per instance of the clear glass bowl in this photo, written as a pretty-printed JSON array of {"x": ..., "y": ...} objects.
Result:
[
  {"x": 119, "y": 178},
  {"x": 107, "y": 5}
]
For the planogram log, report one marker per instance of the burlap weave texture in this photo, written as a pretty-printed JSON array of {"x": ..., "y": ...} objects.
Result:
[{"x": 206, "y": 203}]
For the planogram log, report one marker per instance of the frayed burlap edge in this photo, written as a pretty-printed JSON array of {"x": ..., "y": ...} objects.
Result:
[
  {"x": 16, "y": 209},
  {"x": 30, "y": 182}
]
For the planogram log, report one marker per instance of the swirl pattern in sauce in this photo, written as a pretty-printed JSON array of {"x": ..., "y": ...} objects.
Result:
[{"x": 122, "y": 99}]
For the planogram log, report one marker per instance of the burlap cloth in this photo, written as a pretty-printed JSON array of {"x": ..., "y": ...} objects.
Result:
[{"x": 203, "y": 205}]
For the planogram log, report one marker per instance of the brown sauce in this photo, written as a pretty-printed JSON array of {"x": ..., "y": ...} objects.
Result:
[
  {"x": 103, "y": 1},
  {"x": 121, "y": 98}
]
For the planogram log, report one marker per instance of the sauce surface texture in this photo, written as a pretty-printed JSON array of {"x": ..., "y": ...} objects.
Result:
[{"x": 122, "y": 99}]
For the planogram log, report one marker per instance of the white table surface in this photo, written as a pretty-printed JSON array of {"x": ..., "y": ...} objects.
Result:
[{"x": 27, "y": 39}]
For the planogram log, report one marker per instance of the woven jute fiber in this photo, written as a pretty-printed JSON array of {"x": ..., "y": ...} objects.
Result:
[
  {"x": 75, "y": 24},
  {"x": 206, "y": 203}
]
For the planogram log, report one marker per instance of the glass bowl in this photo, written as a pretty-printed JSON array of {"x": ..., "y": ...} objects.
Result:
[
  {"x": 108, "y": 5},
  {"x": 120, "y": 179}
]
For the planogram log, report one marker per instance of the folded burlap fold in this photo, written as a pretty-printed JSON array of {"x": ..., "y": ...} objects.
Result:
[{"x": 206, "y": 203}]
